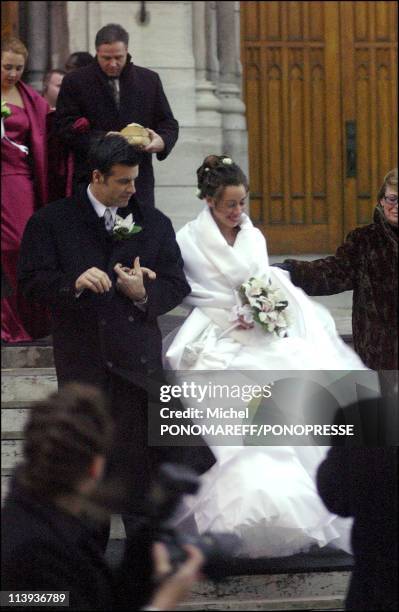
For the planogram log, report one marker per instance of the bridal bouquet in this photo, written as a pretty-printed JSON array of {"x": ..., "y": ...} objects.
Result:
[{"x": 262, "y": 303}]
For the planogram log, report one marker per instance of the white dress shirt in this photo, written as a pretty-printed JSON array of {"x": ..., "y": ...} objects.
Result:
[{"x": 100, "y": 208}]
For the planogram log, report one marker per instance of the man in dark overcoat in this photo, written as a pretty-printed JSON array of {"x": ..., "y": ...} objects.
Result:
[
  {"x": 106, "y": 96},
  {"x": 106, "y": 288}
]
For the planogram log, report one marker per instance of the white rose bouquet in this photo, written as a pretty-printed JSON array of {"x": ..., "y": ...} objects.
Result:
[{"x": 264, "y": 304}]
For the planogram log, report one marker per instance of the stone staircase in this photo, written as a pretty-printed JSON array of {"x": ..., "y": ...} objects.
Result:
[{"x": 311, "y": 582}]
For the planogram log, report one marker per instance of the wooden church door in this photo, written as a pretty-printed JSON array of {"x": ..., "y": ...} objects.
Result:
[{"x": 320, "y": 91}]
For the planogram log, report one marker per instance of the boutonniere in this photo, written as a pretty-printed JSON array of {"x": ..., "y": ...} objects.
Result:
[{"x": 125, "y": 228}]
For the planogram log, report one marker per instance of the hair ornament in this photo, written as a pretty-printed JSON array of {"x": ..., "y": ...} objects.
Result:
[
  {"x": 198, "y": 193},
  {"x": 206, "y": 169},
  {"x": 227, "y": 161}
]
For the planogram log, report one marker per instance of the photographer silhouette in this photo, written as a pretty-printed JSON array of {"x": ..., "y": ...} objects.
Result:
[{"x": 48, "y": 539}]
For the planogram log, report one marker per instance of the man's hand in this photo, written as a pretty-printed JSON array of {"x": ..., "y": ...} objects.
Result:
[
  {"x": 95, "y": 280},
  {"x": 175, "y": 587},
  {"x": 156, "y": 145},
  {"x": 130, "y": 281}
]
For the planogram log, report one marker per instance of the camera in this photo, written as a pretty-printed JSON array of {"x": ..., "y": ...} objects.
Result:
[{"x": 172, "y": 482}]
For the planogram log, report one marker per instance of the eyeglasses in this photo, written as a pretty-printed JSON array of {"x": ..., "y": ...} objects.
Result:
[
  {"x": 391, "y": 200},
  {"x": 234, "y": 203}
]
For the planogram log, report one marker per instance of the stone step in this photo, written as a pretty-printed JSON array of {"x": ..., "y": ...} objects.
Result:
[
  {"x": 332, "y": 603},
  {"x": 27, "y": 357},
  {"x": 13, "y": 419},
  {"x": 42, "y": 357},
  {"x": 40, "y": 354},
  {"x": 19, "y": 388},
  {"x": 316, "y": 580},
  {"x": 11, "y": 455},
  {"x": 290, "y": 591},
  {"x": 27, "y": 384}
]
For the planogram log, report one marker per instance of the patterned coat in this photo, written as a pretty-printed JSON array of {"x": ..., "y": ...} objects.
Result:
[{"x": 367, "y": 264}]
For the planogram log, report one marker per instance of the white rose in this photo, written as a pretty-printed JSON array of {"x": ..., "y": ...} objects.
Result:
[
  {"x": 128, "y": 223},
  {"x": 268, "y": 305},
  {"x": 254, "y": 302},
  {"x": 251, "y": 291}
]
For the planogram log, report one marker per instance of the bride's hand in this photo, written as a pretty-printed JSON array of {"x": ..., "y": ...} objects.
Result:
[{"x": 243, "y": 324}]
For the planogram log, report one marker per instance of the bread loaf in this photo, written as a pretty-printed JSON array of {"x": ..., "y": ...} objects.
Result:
[{"x": 136, "y": 134}]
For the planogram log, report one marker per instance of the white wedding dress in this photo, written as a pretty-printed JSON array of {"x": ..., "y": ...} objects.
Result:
[{"x": 265, "y": 495}]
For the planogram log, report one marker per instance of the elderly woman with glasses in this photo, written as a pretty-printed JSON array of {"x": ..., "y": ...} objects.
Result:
[{"x": 366, "y": 263}]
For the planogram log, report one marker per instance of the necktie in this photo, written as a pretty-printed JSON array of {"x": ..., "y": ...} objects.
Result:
[
  {"x": 108, "y": 220},
  {"x": 115, "y": 90}
]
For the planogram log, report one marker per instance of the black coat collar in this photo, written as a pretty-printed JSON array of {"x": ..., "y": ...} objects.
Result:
[
  {"x": 126, "y": 76},
  {"x": 92, "y": 219}
]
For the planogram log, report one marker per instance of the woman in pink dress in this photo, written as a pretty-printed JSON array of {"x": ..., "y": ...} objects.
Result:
[{"x": 23, "y": 187}]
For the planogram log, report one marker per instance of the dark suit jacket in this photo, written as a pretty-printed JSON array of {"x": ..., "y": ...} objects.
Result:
[
  {"x": 94, "y": 332},
  {"x": 362, "y": 483},
  {"x": 86, "y": 93},
  {"x": 46, "y": 549}
]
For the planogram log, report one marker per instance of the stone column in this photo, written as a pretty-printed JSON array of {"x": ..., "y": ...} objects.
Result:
[
  {"x": 78, "y": 22},
  {"x": 37, "y": 39},
  {"x": 212, "y": 60},
  {"x": 207, "y": 104},
  {"x": 59, "y": 34},
  {"x": 235, "y": 137}
]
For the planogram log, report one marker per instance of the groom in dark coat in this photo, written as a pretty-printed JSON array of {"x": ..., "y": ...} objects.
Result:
[
  {"x": 108, "y": 94},
  {"x": 105, "y": 292}
]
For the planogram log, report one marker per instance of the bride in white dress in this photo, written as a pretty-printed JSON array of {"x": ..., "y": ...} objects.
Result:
[{"x": 266, "y": 495}]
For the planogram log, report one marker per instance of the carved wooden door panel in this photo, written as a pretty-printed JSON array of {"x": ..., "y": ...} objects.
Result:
[
  {"x": 299, "y": 92},
  {"x": 369, "y": 103}
]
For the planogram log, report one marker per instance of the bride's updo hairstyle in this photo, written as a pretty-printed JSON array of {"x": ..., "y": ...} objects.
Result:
[{"x": 216, "y": 173}]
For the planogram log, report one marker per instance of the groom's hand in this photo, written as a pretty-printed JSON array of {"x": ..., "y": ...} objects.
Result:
[
  {"x": 130, "y": 281},
  {"x": 94, "y": 280}
]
